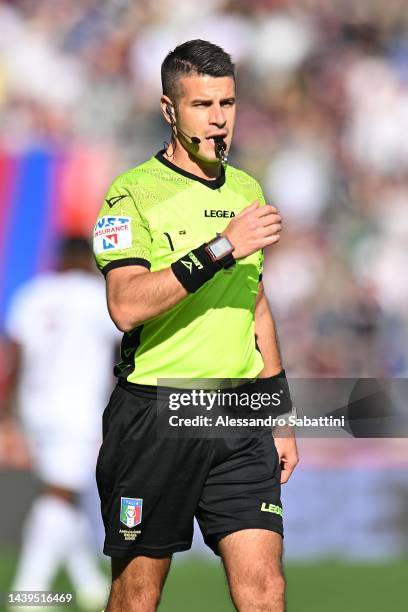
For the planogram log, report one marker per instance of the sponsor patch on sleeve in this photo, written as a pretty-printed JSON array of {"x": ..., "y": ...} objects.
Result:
[{"x": 112, "y": 234}]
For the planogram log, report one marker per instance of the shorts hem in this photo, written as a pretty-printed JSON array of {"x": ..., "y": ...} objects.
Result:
[
  {"x": 213, "y": 539},
  {"x": 156, "y": 552}
]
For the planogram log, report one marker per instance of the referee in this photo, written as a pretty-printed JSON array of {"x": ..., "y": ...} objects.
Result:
[{"x": 180, "y": 240}]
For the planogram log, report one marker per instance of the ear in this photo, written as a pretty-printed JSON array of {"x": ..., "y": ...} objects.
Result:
[{"x": 167, "y": 110}]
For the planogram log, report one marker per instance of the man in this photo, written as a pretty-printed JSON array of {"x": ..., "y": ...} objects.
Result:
[
  {"x": 189, "y": 303},
  {"x": 63, "y": 345}
]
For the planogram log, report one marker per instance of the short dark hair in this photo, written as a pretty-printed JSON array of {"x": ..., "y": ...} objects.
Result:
[
  {"x": 74, "y": 253},
  {"x": 194, "y": 57},
  {"x": 74, "y": 246}
]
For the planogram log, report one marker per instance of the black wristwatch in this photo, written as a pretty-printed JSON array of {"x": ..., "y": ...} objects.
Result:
[{"x": 220, "y": 250}]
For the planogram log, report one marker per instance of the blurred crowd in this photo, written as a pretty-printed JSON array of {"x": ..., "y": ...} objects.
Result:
[{"x": 322, "y": 123}]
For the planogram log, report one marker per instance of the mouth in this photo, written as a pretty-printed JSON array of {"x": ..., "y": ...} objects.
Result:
[{"x": 217, "y": 136}]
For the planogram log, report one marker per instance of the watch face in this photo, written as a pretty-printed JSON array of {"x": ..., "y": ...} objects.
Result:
[{"x": 220, "y": 247}]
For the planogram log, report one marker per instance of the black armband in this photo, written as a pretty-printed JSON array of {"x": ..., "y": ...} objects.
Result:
[
  {"x": 197, "y": 267},
  {"x": 277, "y": 385},
  {"x": 286, "y": 406}
]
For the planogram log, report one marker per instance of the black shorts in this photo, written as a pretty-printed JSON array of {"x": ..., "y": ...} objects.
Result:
[{"x": 151, "y": 488}]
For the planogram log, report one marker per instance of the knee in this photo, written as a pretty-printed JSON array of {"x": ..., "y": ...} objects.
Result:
[
  {"x": 135, "y": 599},
  {"x": 266, "y": 593},
  {"x": 275, "y": 587},
  {"x": 137, "y": 584}
]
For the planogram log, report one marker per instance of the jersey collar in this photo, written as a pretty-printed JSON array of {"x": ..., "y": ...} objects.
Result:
[{"x": 211, "y": 183}]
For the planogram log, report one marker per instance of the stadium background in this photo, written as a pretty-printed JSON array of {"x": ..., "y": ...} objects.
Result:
[{"x": 322, "y": 123}]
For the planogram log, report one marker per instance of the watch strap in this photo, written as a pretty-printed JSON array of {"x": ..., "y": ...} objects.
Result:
[{"x": 227, "y": 261}]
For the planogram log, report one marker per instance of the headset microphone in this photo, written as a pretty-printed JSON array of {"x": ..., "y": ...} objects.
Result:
[{"x": 194, "y": 139}]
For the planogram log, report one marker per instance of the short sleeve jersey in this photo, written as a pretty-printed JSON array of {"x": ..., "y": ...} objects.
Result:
[
  {"x": 61, "y": 322},
  {"x": 153, "y": 215}
]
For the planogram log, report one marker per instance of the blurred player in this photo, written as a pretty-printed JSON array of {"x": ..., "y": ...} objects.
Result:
[{"x": 63, "y": 342}]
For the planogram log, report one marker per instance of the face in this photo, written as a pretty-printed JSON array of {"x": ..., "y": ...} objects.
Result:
[{"x": 205, "y": 107}]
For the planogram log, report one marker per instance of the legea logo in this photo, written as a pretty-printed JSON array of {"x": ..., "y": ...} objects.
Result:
[
  {"x": 219, "y": 213},
  {"x": 271, "y": 508}
]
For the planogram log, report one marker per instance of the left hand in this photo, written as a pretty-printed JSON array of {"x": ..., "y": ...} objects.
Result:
[{"x": 287, "y": 451}]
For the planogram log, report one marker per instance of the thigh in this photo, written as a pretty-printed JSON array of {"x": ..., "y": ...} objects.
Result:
[
  {"x": 249, "y": 553},
  {"x": 242, "y": 489},
  {"x": 252, "y": 560}
]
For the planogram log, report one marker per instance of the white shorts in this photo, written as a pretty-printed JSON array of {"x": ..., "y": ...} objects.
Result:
[{"x": 64, "y": 461}]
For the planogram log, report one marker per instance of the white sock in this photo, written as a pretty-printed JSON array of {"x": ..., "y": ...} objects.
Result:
[
  {"x": 81, "y": 560},
  {"x": 49, "y": 529}
]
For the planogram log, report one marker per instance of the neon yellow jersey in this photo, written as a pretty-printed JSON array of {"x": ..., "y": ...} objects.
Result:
[{"x": 153, "y": 215}]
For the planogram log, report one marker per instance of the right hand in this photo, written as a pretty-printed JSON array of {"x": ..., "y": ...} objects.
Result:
[{"x": 254, "y": 228}]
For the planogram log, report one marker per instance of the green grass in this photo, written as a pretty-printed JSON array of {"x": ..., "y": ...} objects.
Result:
[
  {"x": 340, "y": 587},
  {"x": 195, "y": 585}
]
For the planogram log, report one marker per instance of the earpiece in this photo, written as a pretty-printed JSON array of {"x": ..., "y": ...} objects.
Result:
[{"x": 170, "y": 113}]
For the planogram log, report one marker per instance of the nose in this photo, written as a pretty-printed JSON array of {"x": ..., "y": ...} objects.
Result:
[{"x": 217, "y": 116}]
